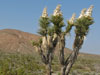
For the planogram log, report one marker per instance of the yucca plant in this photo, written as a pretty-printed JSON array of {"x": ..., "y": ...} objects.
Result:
[{"x": 52, "y": 35}]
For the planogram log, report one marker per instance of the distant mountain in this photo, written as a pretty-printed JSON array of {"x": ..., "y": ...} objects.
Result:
[{"x": 12, "y": 40}]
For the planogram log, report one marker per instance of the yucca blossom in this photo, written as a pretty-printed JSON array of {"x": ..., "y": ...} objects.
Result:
[
  {"x": 45, "y": 14},
  {"x": 72, "y": 19},
  {"x": 89, "y": 11},
  {"x": 82, "y": 13},
  {"x": 57, "y": 11}
]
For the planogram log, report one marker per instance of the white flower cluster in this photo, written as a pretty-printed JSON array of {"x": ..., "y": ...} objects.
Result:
[
  {"x": 87, "y": 13},
  {"x": 57, "y": 11},
  {"x": 82, "y": 13},
  {"x": 45, "y": 14},
  {"x": 72, "y": 19}
]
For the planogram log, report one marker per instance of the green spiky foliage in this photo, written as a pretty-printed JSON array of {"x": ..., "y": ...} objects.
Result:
[
  {"x": 58, "y": 23},
  {"x": 82, "y": 25},
  {"x": 69, "y": 27},
  {"x": 50, "y": 31},
  {"x": 37, "y": 43},
  {"x": 43, "y": 31},
  {"x": 44, "y": 24}
]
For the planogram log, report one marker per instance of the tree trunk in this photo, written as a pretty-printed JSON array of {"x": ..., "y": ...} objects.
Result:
[
  {"x": 61, "y": 49},
  {"x": 47, "y": 59},
  {"x": 63, "y": 70},
  {"x": 48, "y": 68},
  {"x": 71, "y": 59},
  {"x": 67, "y": 65}
]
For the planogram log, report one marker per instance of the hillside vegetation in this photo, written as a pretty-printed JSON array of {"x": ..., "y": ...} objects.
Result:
[{"x": 31, "y": 64}]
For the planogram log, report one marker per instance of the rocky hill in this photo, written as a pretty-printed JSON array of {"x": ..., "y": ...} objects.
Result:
[{"x": 12, "y": 40}]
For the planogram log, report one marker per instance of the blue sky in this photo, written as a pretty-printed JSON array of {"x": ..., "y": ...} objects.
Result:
[{"x": 24, "y": 15}]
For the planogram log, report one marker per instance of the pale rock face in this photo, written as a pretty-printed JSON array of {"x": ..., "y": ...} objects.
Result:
[
  {"x": 72, "y": 18},
  {"x": 82, "y": 13},
  {"x": 89, "y": 11},
  {"x": 45, "y": 14},
  {"x": 57, "y": 11}
]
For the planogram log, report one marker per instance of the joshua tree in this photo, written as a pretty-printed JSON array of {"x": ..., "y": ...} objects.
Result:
[{"x": 52, "y": 35}]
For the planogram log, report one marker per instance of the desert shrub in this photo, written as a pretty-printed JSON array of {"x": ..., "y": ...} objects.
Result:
[
  {"x": 20, "y": 64},
  {"x": 31, "y": 64}
]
